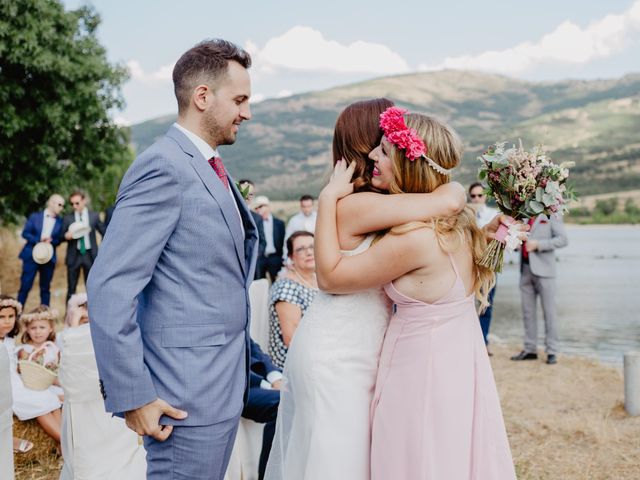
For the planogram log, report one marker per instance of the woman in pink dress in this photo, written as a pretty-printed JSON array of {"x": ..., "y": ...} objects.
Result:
[{"x": 436, "y": 412}]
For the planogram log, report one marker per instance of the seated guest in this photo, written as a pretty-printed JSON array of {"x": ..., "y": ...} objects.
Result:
[
  {"x": 43, "y": 405},
  {"x": 291, "y": 295},
  {"x": 7, "y": 442},
  {"x": 265, "y": 380},
  {"x": 95, "y": 444}
]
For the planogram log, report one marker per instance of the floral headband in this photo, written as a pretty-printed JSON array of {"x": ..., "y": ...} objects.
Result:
[
  {"x": 396, "y": 131},
  {"x": 10, "y": 302},
  {"x": 48, "y": 315}
]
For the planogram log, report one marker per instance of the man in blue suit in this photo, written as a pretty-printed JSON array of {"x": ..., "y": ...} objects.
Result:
[
  {"x": 43, "y": 226},
  {"x": 274, "y": 230},
  {"x": 265, "y": 380},
  {"x": 169, "y": 290}
]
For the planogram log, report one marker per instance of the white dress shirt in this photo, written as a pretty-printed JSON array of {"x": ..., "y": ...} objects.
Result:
[
  {"x": 208, "y": 152},
  {"x": 272, "y": 377},
  {"x": 84, "y": 218},
  {"x": 268, "y": 233},
  {"x": 485, "y": 214},
  {"x": 299, "y": 222},
  {"x": 48, "y": 222}
]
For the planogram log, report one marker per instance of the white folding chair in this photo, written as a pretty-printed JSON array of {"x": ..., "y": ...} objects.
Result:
[{"x": 246, "y": 450}]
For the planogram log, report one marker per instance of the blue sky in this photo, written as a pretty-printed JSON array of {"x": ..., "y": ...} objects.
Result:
[{"x": 300, "y": 46}]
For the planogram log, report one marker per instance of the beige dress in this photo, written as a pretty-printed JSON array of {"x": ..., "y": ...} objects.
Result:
[
  {"x": 95, "y": 445},
  {"x": 6, "y": 417}
]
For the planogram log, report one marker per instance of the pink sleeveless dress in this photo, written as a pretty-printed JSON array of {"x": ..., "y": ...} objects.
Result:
[{"x": 436, "y": 412}]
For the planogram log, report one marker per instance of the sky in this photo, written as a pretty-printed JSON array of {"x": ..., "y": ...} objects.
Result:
[{"x": 300, "y": 46}]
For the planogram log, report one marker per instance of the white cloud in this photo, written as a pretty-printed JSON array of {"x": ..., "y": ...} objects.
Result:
[
  {"x": 284, "y": 93},
  {"x": 121, "y": 121},
  {"x": 303, "y": 48},
  {"x": 257, "y": 98},
  {"x": 162, "y": 75},
  {"x": 568, "y": 43}
]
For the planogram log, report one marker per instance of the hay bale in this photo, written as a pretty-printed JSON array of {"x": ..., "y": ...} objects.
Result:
[{"x": 42, "y": 462}]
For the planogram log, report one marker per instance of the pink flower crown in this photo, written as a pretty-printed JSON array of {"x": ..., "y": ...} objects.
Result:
[{"x": 407, "y": 139}]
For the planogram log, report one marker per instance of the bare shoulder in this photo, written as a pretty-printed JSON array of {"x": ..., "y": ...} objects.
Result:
[
  {"x": 354, "y": 202},
  {"x": 415, "y": 237}
]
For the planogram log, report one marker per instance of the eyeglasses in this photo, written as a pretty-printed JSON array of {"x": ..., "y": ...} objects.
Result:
[
  {"x": 60, "y": 204},
  {"x": 75, "y": 203},
  {"x": 477, "y": 195},
  {"x": 304, "y": 249}
]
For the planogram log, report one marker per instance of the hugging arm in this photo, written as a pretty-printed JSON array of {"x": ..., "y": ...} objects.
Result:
[
  {"x": 339, "y": 274},
  {"x": 367, "y": 212}
]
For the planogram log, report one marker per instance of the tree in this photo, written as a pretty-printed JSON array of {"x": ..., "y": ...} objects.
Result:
[
  {"x": 607, "y": 206},
  {"x": 56, "y": 92},
  {"x": 630, "y": 207}
]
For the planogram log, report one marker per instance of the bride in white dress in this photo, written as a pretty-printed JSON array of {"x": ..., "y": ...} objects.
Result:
[{"x": 323, "y": 427}]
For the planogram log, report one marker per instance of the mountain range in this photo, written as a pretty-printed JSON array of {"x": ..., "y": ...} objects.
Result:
[{"x": 286, "y": 146}]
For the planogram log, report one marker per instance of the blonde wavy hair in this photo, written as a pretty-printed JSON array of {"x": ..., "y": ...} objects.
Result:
[{"x": 446, "y": 149}]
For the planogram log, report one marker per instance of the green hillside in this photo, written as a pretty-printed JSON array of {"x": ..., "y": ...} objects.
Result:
[{"x": 285, "y": 148}]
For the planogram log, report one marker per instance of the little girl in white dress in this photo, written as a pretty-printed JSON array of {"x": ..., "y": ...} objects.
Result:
[{"x": 43, "y": 405}]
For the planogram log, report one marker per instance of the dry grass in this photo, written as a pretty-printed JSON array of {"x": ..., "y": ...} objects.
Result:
[
  {"x": 567, "y": 421},
  {"x": 42, "y": 462},
  {"x": 564, "y": 421}
]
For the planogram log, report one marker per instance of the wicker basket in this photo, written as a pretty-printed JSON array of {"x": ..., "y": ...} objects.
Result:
[{"x": 34, "y": 375}]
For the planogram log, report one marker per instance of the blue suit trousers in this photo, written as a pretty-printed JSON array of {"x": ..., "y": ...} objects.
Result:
[
  {"x": 192, "y": 453},
  {"x": 29, "y": 270}
]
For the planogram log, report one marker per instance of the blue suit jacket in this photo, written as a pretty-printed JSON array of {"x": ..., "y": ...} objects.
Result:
[
  {"x": 169, "y": 290},
  {"x": 33, "y": 231},
  {"x": 261, "y": 365}
]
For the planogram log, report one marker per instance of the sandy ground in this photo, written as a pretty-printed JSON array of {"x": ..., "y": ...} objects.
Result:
[{"x": 565, "y": 421}]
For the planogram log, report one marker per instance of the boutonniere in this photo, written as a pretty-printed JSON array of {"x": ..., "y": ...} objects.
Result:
[{"x": 244, "y": 191}]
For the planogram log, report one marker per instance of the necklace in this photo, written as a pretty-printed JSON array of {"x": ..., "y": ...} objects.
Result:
[{"x": 306, "y": 283}]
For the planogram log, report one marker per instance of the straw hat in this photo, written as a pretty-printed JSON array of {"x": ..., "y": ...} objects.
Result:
[
  {"x": 42, "y": 252},
  {"x": 260, "y": 201},
  {"x": 78, "y": 230}
]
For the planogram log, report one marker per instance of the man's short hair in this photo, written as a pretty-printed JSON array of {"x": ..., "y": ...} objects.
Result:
[
  {"x": 304, "y": 198},
  {"x": 245, "y": 181},
  {"x": 78, "y": 193},
  {"x": 204, "y": 64}
]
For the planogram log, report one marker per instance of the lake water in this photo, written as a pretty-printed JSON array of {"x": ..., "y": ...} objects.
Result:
[{"x": 598, "y": 295}]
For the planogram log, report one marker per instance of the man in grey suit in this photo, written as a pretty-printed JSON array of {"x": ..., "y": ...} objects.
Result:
[
  {"x": 538, "y": 278},
  {"x": 169, "y": 291}
]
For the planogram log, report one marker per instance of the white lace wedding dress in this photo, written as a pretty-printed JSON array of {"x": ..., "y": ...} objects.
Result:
[{"x": 323, "y": 428}]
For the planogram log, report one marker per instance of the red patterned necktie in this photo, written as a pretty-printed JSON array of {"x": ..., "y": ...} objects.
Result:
[
  {"x": 218, "y": 167},
  {"x": 525, "y": 252}
]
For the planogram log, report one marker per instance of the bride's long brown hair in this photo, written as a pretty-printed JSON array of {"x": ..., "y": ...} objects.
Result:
[{"x": 356, "y": 133}]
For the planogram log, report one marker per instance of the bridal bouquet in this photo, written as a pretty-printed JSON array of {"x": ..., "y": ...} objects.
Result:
[{"x": 524, "y": 184}]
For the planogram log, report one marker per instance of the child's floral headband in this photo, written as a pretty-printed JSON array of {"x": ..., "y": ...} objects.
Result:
[
  {"x": 405, "y": 138},
  {"x": 48, "y": 315},
  {"x": 10, "y": 302}
]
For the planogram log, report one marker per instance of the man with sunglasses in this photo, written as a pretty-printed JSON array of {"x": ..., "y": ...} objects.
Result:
[
  {"x": 484, "y": 215},
  {"x": 42, "y": 226},
  {"x": 82, "y": 251}
]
